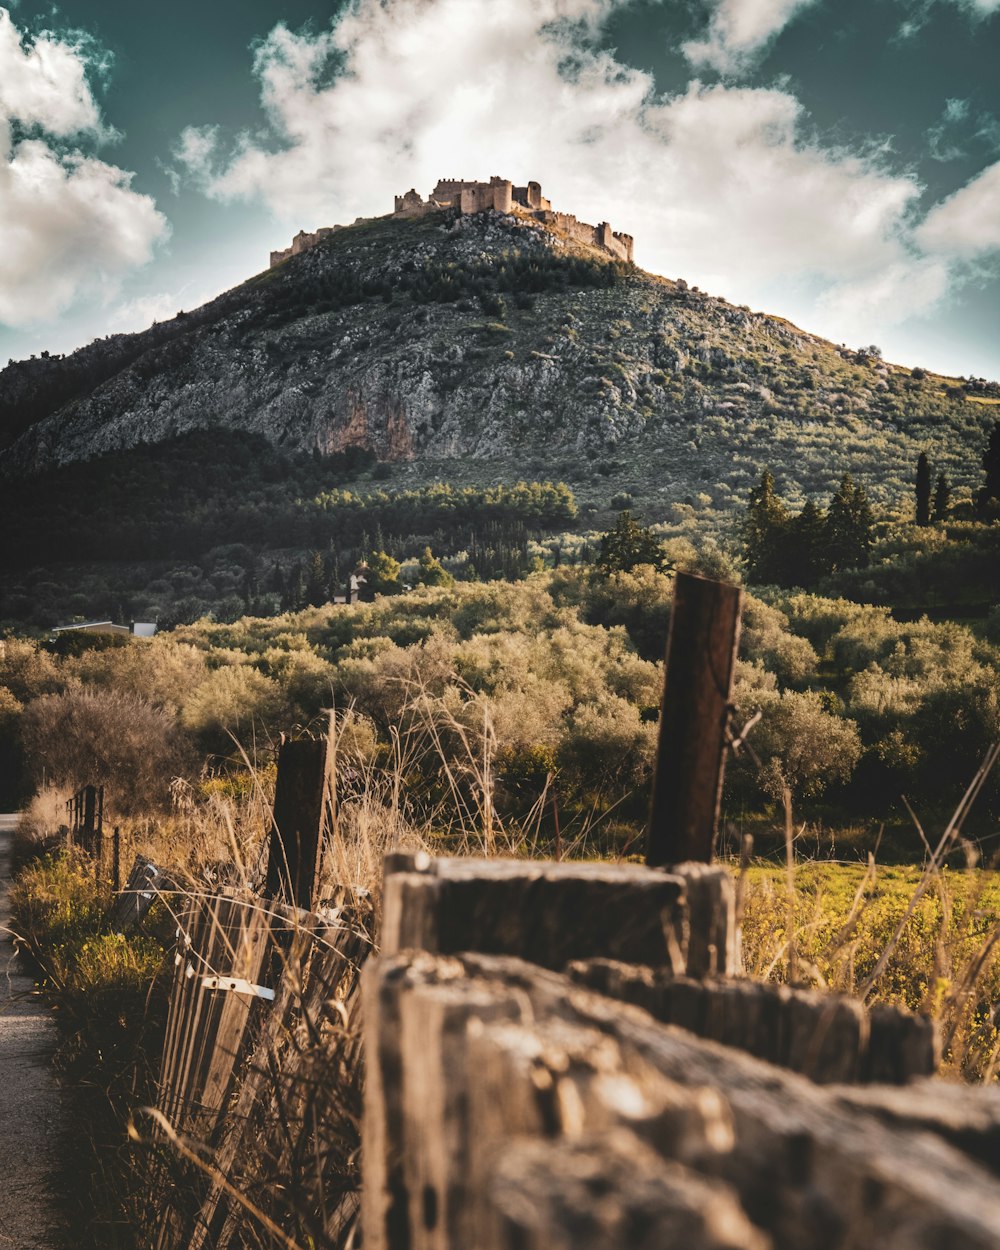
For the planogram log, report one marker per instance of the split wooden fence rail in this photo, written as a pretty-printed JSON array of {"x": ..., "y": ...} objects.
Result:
[{"x": 556, "y": 1055}]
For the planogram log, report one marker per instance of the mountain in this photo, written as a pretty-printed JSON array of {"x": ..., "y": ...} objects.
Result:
[{"x": 493, "y": 337}]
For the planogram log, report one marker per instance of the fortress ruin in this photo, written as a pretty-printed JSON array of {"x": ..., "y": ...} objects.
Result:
[
  {"x": 498, "y": 195},
  {"x": 501, "y": 196}
]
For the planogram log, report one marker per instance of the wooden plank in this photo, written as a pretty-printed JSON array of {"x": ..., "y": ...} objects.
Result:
[
  {"x": 228, "y": 945},
  {"x": 301, "y": 800},
  {"x": 828, "y": 1037},
  {"x": 608, "y": 1192},
  {"x": 807, "y": 1169},
  {"x": 131, "y": 904},
  {"x": 242, "y": 951},
  {"x": 965, "y": 1116},
  {"x": 240, "y": 1090},
  {"x": 295, "y": 1106},
  {"x": 690, "y": 761},
  {"x": 549, "y": 913},
  {"x": 277, "y": 1024}
]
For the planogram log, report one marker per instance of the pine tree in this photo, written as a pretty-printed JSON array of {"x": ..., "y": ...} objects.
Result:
[
  {"x": 628, "y": 545},
  {"x": 765, "y": 528},
  {"x": 849, "y": 526},
  {"x": 988, "y": 501},
  {"x": 923, "y": 490},
  {"x": 942, "y": 499}
]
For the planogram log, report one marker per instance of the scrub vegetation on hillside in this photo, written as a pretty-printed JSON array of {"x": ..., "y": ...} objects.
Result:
[{"x": 560, "y": 675}]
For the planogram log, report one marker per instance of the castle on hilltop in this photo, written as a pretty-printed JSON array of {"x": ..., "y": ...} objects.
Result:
[
  {"x": 501, "y": 196},
  {"x": 498, "y": 195},
  {"x": 474, "y": 197}
]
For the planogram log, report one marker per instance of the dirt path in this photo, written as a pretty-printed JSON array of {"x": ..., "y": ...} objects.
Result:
[{"x": 30, "y": 1103}]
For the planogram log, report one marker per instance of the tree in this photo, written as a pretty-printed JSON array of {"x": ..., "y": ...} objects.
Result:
[
  {"x": 923, "y": 490},
  {"x": 294, "y": 596},
  {"x": 849, "y": 525},
  {"x": 11, "y": 760},
  {"x": 316, "y": 583},
  {"x": 942, "y": 499},
  {"x": 765, "y": 527},
  {"x": 988, "y": 501},
  {"x": 431, "y": 572},
  {"x": 805, "y": 558},
  {"x": 801, "y": 745},
  {"x": 105, "y": 737},
  {"x": 383, "y": 574},
  {"x": 628, "y": 545}
]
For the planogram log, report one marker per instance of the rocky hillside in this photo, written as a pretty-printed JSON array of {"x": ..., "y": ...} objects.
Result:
[{"x": 491, "y": 337}]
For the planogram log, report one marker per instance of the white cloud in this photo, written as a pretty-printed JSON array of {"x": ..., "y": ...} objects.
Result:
[
  {"x": 69, "y": 221},
  {"x": 920, "y": 13},
  {"x": 739, "y": 31},
  {"x": 44, "y": 83},
  {"x": 979, "y": 8},
  {"x": 720, "y": 184},
  {"x": 966, "y": 224}
]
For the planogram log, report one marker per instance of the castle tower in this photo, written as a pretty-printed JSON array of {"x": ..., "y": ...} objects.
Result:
[
  {"x": 503, "y": 194},
  {"x": 411, "y": 202}
]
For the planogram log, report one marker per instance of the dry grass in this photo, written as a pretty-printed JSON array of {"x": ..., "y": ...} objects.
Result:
[{"x": 926, "y": 938}]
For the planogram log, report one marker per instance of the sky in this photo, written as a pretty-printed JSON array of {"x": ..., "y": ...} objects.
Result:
[{"x": 836, "y": 162}]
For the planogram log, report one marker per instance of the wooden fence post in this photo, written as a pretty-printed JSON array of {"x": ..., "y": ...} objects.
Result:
[
  {"x": 89, "y": 830},
  {"x": 300, "y": 801},
  {"x": 701, "y": 653}
]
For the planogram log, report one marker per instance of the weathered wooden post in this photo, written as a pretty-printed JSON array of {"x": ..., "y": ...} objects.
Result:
[
  {"x": 701, "y": 653},
  {"x": 300, "y": 804},
  {"x": 88, "y": 830},
  {"x": 75, "y": 806},
  {"x": 98, "y": 846}
]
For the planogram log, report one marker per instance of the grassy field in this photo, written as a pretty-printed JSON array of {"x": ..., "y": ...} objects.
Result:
[{"x": 943, "y": 961}]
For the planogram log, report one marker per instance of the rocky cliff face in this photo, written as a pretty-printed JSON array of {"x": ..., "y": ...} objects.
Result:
[{"x": 441, "y": 337}]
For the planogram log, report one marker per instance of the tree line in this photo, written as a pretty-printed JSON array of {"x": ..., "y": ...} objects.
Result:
[
  {"x": 797, "y": 549},
  {"x": 937, "y": 507}
]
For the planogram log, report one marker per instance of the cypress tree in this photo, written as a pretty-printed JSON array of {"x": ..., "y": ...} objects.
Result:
[
  {"x": 942, "y": 499},
  {"x": 295, "y": 589},
  {"x": 276, "y": 581},
  {"x": 989, "y": 497},
  {"x": 316, "y": 585},
  {"x": 806, "y": 557},
  {"x": 923, "y": 490},
  {"x": 849, "y": 526}
]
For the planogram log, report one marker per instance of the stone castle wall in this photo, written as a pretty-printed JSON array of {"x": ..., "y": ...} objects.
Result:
[
  {"x": 620, "y": 245},
  {"x": 302, "y": 242},
  {"x": 498, "y": 195}
]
